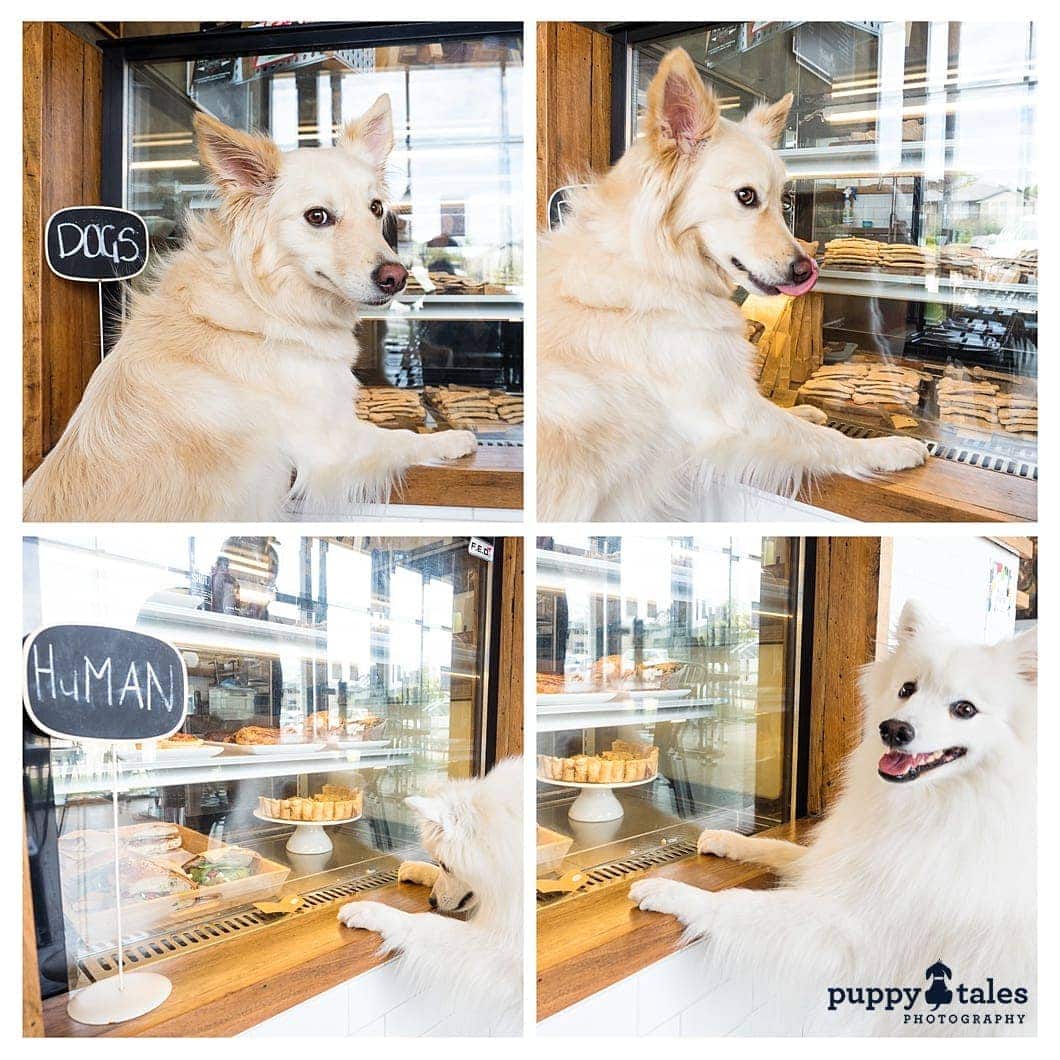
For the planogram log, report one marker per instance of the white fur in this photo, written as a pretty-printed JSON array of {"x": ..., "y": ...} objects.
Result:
[
  {"x": 898, "y": 875},
  {"x": 644, "y": 387},
  {"x": 229, "y": 395},
  {"x": 474, "y": 829}
]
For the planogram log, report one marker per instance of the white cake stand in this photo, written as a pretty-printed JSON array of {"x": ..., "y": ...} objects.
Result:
[
  {"x": 596, "y": 802},
  {"x": 308, "y": 837}
]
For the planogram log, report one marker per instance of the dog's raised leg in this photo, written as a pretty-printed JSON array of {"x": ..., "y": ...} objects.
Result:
[
  {"x": 775, "y": 854},
  {"x": 407, "y": 932},
  {"x": 778, "y": 452},
  {"x": 421, "y": 872}
]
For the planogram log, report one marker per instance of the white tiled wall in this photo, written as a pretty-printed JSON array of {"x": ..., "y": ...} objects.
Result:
[
  {"x": 377, "y": 1004},
  {"x": 681, "y": 995}
]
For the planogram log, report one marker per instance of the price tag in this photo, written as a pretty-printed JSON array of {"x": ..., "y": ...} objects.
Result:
[{"x": 481, "y": 548}]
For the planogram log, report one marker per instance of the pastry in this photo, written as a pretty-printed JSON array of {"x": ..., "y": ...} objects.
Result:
[{"x": 256, "y": 734}]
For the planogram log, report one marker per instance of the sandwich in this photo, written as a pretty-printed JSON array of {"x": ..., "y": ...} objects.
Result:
[
  {"x": 222, "y": 865},
  {"x": 151, "y": 837}
]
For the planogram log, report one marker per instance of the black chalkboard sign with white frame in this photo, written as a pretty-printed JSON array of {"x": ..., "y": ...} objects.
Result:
[
  {"x": 96, "y": 244},
  {"x": 103, "y": 683}
]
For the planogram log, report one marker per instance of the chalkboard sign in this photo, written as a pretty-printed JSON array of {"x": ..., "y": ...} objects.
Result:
[
  {"x": 102, "y": 683},
  {"x": 96, "y": 244}
]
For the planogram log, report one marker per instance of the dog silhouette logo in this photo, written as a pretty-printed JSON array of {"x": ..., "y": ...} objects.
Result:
[{"x": 938, "y": 993}]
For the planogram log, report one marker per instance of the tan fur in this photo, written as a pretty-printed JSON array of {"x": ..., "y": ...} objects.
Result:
[
  {"x": 644, "y": 384},
  {"x": 229, "y": 395}
]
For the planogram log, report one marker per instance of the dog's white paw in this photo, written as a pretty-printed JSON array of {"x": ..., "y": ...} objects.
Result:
[
  {"x": 371, "y": 916},
  {"x": 419, "y": 872},
  {"x": 659, "y": 895},
  {"x": 449, "y": 445},
  {"x": 895, "y": 454},
  {"x": 720, "y": 843},
  {"x": 809, "y": 412}
]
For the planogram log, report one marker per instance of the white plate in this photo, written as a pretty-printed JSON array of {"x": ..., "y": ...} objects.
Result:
[
  {"x": 659, "y": 693},
  {"x": 555, "y": 700},
  {"x": 362, "y": 745},
  {"x": 165, "y": 756},
  {"x": 287, "y": 820},
  {"x": 293, "y": 749}
]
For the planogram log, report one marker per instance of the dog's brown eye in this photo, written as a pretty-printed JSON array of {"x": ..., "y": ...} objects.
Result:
[
  {"x": 907, "y": 690},
  {"x": 318, "y": 217},
  {"x": 376, "y": 207},
  {"x": 963, "y": 709},
  {"x": 747, "y": 197}
]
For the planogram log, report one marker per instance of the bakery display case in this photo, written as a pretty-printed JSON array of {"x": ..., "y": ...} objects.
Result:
[
  {"x": 454, "y": 176},
  {"x": 667, "y": 698},
  {"x": 328, "y": 679},
  {"x": 910, "y": 148}
]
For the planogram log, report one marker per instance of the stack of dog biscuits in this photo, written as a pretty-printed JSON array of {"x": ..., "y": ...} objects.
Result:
[
  {"x": 447, "y": 283},
  {"x": 1018, "y": 414},
  {"x": 474, "y": 408},
  {"x": 851, "y": 254},
  {"x": 907, "y": 258},
  {"x": 388, "y": 406},
  {"x": 961, "y": 258},
  {"x": 863, "y": 383},
  {"x": 967, "y": 403}
]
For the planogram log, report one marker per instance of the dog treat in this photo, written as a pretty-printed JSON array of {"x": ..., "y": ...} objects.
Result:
[
  {"x": 469, "y": 408},
  {"x": 625, "y": 762},
  {"x": 390, "y": 407}
]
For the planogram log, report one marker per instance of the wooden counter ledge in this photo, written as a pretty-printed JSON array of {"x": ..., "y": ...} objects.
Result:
[
  {"x": 940, "y": 491},
  {"x": 587, "y": 944},
  {"x": 228, "y": 987},
  {"x": 491, "y": 477}
]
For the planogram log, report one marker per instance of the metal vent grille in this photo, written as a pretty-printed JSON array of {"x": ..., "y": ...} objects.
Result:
[
  {"x": 500, "y": 443},
  {"x": 959, "y": 454},
  {"x": 152, "y": 948},
  {"x": 615, "y": 871}
]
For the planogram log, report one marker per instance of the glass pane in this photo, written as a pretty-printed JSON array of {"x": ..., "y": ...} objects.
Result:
[
  {"x": 664, "y": 666},
  {"x": 329, "y": 678},
  {"x": 455, "y": 177},
  {"x": 911, "y": 148}
]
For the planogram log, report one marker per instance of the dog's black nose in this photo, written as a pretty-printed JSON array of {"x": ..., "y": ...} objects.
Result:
[
  {"x": 433, "y": 901},
  {"x": 896, "y": 733},
  {"x": 390, "y": 277},
  {"x": 801, "y": 270}
]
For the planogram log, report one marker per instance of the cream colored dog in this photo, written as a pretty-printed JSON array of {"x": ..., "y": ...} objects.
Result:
[
  {"x": 229, "y": 395},
  {"x": 644, "y": 388}
]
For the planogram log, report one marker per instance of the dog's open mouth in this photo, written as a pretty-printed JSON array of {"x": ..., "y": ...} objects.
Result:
[
  {"x": 793, "y": 289},
  {"x": 897, "y": 767}
]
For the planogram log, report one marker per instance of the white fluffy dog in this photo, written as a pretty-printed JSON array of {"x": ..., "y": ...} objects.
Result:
[
  {"x": 645, "y": 391},
  {"x": 229, "y": 395},
  {"x": 473, "y": 829},
  {"x": 928, "y": 856}
]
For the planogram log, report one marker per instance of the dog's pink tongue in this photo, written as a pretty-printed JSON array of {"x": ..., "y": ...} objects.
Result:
[
  {"x": 795, "y": 289},
  {"x": 894, "y": 763}
]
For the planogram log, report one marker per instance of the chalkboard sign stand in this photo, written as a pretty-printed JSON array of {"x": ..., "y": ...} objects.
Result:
[
  {"x": 123, "y": 997},
  {"x": 96, "y": 244}
]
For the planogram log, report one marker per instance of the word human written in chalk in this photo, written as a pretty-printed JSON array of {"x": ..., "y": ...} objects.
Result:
[
  {"x": 96, "y": 244},
  {"x": 104, "y": 683}
]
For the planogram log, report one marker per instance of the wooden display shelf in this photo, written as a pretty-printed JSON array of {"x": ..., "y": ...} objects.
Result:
[
  {"x": 586, "y": 944},
  {"x": 226, "y": 988},
  {"x": 491, "y": 477},
  {"x": 939, "y": 491}
]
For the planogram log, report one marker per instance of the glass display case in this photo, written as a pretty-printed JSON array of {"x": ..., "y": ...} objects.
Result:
[
  {"x": 329, "y": 678},
  {"x": 667, "y": 695},
  {"x": 454, "y": 176},
  {"x": 911, "y": 151}
]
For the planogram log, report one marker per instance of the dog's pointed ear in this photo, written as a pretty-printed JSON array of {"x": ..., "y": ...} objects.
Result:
[
  {"x": 372, "y": 132},
  {"x": 1022, "y": 650},
  {"x": 430, "y": 810},
  {"x": 240, "y": 163},
  {"x": 682, "y": 111},
  {"x": 768, "y": 120},
  {"x": 913, "y": 622}
]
